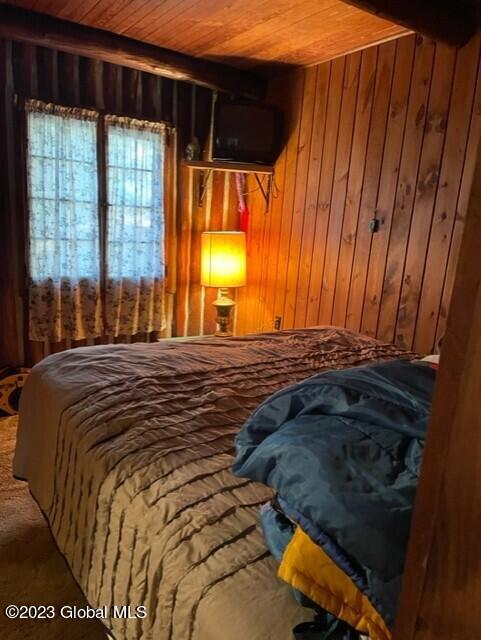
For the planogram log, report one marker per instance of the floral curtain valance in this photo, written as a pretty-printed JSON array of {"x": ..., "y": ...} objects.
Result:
[
  {"x": 80, "y": 113},
  {"x": 141, "y": 125},
  {"x": 95, "y": 267}
]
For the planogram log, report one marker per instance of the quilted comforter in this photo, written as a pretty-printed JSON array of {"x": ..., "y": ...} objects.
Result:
[{"x": 128, "y": 451}]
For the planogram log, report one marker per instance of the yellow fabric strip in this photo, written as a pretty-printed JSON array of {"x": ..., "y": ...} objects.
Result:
[{"x": 306, "y": 567}]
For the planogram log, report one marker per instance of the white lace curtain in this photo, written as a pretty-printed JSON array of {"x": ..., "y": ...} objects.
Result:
[
  {"x": 66, "y": 263},
  {"x": 134, "y": 299},
  {"x": 64, "y": 247}
]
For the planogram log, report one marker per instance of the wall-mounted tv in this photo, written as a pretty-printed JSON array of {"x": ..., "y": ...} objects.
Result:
[{"x": 246, "y": 132}]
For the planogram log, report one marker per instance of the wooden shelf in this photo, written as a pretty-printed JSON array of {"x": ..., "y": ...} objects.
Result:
[
  {"x": 235, "y": 167},
  {"x": 206, "y": 167}
]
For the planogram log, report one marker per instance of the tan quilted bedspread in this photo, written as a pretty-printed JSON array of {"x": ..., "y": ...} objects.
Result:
[{"x": 128, "y": 450}]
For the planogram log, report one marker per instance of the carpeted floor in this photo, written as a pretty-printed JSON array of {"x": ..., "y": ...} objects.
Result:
[{"x": 32, "y": 571}]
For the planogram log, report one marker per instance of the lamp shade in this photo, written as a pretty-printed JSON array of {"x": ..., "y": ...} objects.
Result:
[{"x": 223, "y": 259}]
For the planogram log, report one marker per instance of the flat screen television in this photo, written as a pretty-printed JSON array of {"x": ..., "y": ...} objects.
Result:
[{"x": 246, "y": 132}]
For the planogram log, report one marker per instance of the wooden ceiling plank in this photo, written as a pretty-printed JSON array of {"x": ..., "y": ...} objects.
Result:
[
  {"x": 81, "y": 13},
  {"x": 241, "y": 23},
  {"x": 65, "y": 10},
  {"x": 304, "y": 31},
  {"x": 134, "y": 14},
  {"x": 454, "y": 22},
  {"x": 151, "y": 18},
  {"x": 350, "y": 44},
  {"x": 312, "y": 58},
  {"x": 42, "y": 30},
  {"x": 252, "y": 40},
  {"x": 243, "y": 33},
  {"x": 293, "y": 13},
  {"x": 288, "y": 33},
  {"x": 101, "y": 15},
  {"x": 147, "y": 26},
  {"x": 201, "y": 19}
]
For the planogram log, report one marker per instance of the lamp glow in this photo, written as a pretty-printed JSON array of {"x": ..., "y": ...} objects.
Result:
[
  {"x": 223, "y": 265},
  {"x": 223, "y": 259}
]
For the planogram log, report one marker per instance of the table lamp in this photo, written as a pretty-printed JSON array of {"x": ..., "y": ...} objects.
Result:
[{"x": 223, "y": 265}]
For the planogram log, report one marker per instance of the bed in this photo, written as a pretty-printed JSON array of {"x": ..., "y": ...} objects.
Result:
[{"x": 128, "y": 451}]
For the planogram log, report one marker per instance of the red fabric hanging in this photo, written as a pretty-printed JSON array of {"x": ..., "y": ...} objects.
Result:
[{"x": 240, "y": 183}]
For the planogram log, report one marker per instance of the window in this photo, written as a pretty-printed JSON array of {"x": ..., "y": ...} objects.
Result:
[
  {"x": 64, "y": 229},
  {"x": 95, "y": 267},
  {"x": 135, "y": 222}
]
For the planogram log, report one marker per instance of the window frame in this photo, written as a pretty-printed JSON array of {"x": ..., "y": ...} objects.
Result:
[
  {"x": 33, "y": 105},
  {"x": 112, "y": 123},
  {"x": 169, "y": 191}
]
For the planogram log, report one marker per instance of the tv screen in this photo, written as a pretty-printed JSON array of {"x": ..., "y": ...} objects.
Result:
[{"x": 245, "y": 132}]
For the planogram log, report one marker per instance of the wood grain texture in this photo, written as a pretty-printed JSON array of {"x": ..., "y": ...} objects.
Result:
[
  {"x": 339, "y": 189},
  {"x": 325, "y": 186},
  {"x": 243, "y": 33},
  {"x": 41, "y": 30},
  {"x": 319, "y": 135},
  {"x": 355, "y": 185},
  {"x": 451, "y": 172},
  {"x": 371, "y": 183},
  {"x": 389, "y": 133},
  {"x": 428, "y": 187},
  {"x": 393, "y": 150},
  {"x": 405, "y": 193},
  {"x": 441, "y": 588}
]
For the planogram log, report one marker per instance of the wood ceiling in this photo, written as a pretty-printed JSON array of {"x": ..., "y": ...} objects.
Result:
[{"x": 243, "y": 33}]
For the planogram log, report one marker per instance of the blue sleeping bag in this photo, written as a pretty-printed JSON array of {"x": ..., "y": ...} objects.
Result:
[{"x": 343, "y": 452}]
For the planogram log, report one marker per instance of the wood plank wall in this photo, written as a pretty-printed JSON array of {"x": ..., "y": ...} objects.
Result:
[
  {"x": 35, "y": 72},
  {"x": 387, "y": 133},
  {"x": 194, "y": 312},
  {"x": 441, "y": 587}
]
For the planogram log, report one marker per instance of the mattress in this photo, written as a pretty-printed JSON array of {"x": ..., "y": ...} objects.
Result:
[{"x": 128, "y": 450}]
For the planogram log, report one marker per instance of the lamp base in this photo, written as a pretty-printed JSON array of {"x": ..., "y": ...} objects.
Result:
[{"x": 223, "y": 305}]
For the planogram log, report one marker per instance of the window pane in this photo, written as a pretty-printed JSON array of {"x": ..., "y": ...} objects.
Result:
[
  {"x": 135, "y": 215},
  {"x": 63, "y": 190}
]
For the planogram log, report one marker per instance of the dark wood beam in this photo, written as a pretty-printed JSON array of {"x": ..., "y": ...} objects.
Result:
[
  {"x": 11, "y": 345},
  {"x": 453, "y": 22},
  {"x": 42, "y": 30}
]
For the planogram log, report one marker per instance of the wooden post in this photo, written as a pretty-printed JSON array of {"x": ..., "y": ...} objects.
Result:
[
  {"x": 11, "y": 338},
  {"x": 442, "y": 587}
]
